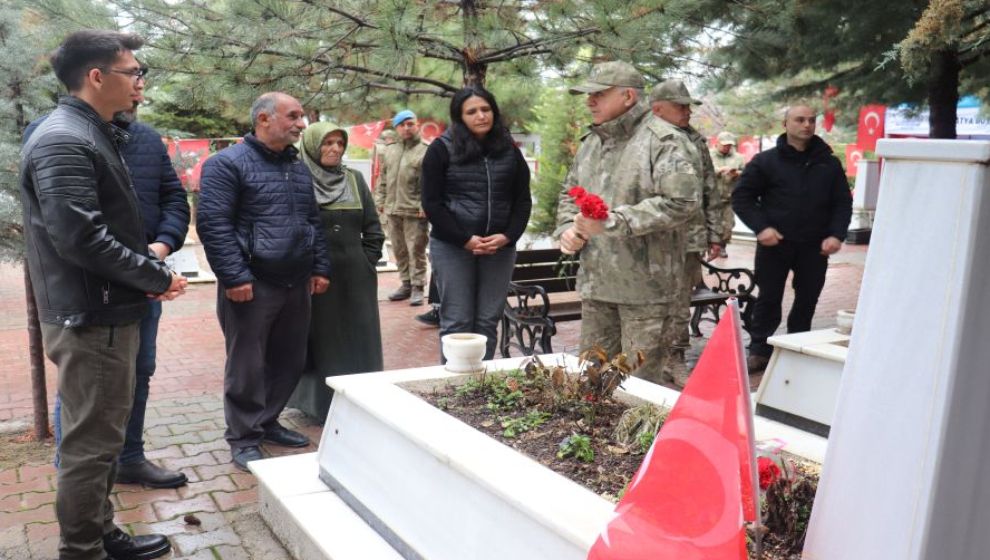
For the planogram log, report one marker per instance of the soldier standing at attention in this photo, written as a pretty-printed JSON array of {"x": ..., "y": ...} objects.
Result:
[
  {"x": 671, "y": 102},
  {"x": 398, "y": 196},
  {"x": 632, "y": 263}
]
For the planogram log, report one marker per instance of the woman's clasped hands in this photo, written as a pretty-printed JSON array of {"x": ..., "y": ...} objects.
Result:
[{"x": 487, "y": 245}]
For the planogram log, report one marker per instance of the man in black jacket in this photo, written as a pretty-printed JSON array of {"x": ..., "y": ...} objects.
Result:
[
  {"x": 260, "y": 226},
  {"x": 165, "y": 215},
  {"x": 796, "y": 198},
  {"x": 92, "y": 275}
]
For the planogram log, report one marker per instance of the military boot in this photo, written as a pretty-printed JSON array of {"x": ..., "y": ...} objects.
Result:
[
  {"x": 404, "y": 291},
  {"x": 416, "y": 297}
]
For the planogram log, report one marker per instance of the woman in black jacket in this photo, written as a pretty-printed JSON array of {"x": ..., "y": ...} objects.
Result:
[{"x": 476, "y": 197}]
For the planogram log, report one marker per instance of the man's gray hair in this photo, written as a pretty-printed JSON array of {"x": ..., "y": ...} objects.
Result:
[{"x": 264, "y": 104}]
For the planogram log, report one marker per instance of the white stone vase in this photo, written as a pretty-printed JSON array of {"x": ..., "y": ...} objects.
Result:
[{"x": 464, "y": 352}]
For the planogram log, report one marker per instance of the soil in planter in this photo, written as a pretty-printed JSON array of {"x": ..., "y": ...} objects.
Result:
[
  {"x": 608, "y": 471},
  {"x": 607, "y": 474}
]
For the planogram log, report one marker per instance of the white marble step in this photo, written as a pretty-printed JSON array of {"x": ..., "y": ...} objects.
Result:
[{"x": 310, "y": 520}]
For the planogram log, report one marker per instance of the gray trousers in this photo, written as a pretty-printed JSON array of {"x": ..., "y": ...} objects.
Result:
[
  {"x": 266, "y": 353},
  {"x": 96, "y": 386},
  {"x": 472, "y": 289}
]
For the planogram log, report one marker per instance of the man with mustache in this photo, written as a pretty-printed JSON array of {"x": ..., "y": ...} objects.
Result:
[{"x": 260, "y": 227}]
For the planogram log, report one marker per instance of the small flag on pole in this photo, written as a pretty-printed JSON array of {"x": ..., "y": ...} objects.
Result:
[{"x": 697, "y": 484}]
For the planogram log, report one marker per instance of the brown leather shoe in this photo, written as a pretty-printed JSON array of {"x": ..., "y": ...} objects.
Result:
[{"x": 756, "y": 363}]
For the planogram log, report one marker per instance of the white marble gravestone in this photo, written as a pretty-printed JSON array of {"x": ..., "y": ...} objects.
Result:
[{"x": 907, "y": 471}]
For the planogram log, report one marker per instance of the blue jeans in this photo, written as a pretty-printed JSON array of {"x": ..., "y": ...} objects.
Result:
[
  {"x": 472, "y": 289},
  {"x": 133, "y": 451}
]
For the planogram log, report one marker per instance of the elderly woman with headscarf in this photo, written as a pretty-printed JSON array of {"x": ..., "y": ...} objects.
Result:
[{"x": 344, "y": 334}]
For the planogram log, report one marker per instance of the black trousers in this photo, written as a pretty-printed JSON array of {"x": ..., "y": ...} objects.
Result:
[
  {"x": 266, "y": 353},
  {"x": 772, "y": 266}
]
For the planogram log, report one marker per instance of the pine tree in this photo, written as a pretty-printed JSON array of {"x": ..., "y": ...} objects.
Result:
[{"x": 889, "y": 51}]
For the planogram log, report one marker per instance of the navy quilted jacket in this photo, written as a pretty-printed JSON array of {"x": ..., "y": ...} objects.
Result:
[
  {"x": 164, "y": 210},
  {"x": 258, "y": 218}
]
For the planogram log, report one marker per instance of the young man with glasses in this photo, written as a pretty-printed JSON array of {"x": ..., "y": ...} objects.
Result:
[
  {"x": 93, "y": 275},
  {"x": 165, "y": 214}
]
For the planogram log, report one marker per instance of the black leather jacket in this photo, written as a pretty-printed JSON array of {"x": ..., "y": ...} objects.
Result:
[{"x": 86, "y": 248}]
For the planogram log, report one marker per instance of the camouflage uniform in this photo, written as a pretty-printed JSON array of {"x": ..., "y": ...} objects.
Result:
[
  {"x": 631, "y": 274},
  {"x": 398, "y": 193},
  {"x": 733, "y": 160},
  {"x": 705, "y": 228}
]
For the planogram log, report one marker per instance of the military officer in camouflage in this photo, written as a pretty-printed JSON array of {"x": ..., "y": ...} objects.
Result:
[
  {"x": 671, "y": 102},
  {"x": 398, "y": 197},
  {"x": 632, "y": 263},
  {"x": 728, "y": 166}
]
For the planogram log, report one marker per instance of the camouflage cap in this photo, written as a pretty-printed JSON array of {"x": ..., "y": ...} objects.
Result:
[
  {"x": 607, "y": 75},
  {"x": 726, "y": 138},
  {"x": 674, "y": 91}
]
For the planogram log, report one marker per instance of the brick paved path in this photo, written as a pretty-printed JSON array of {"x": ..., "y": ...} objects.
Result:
[{"x": 184, "y": 427}]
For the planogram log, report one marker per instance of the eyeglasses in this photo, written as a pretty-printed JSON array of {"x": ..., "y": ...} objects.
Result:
[{"x": 135, "y": 75}]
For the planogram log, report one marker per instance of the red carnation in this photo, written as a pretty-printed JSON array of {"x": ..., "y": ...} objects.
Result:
[
  {"x": 577, "y": 193},
  {"x": 769, "y": 472},
  {"x": 591, "y": 205}
]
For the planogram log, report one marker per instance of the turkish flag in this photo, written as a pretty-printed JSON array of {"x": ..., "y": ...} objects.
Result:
[
  {"x": 697, "y": 485},
  {"x": 854, "y": 153},
  {"x": 364, "y": 135},
  {"x": 871, "y": 126},
  {"x": 430, "y": 130}
]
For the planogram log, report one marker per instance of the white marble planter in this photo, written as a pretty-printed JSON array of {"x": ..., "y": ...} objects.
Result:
[
  {"x": 801, "y": 382},
  {"x": 435, "y": 488}
]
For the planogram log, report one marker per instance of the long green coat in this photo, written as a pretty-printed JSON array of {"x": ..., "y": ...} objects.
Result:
[{"x": 345, "y": 332}]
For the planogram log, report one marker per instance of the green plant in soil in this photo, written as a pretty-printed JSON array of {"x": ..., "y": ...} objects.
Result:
[
  {"x": 577, "y": 446},
  {"x": 515, "y": 426}
]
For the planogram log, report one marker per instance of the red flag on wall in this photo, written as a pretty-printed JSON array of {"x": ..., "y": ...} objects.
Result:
[
  {"x": 871, "y": 126},
  {"x": 697, "y": 485}
]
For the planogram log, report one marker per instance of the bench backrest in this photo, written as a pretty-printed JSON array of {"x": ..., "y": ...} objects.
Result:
[{"x": 547, "y": 268}]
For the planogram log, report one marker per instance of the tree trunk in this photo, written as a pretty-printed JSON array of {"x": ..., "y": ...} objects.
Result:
[
  {"x": 475, "y": 74},
  {"x": 943, "y": 94},
  {"x": 36, "y": 358}
]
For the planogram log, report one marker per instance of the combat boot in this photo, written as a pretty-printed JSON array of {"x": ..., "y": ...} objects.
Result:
[
  {"x": 416, "y": 297},
  {"x": 404, "y": 291}
]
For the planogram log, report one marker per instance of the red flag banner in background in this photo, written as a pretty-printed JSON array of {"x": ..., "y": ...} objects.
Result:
[
  {"x": 854, "y": 153},
  {"x": 430, "y": 130},
  {"x": 364, "y": 135},
  {"x": 188, "y": 157},
  {"x": 748, "y": 146},
  {"x": 871, "y": 126},
  {"x": 697, "y": 485}
]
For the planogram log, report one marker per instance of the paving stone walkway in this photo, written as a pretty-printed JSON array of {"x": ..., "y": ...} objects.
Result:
[{"x": 184, "y": 427}]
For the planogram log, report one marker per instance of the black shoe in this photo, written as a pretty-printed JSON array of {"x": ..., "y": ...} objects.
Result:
[
  {"x": 280, "y": 435},
  {"x": 121, "y": 546},
  {"x": 149, "y": 474},
  {"x": 241, "y": 457},
  {"x": 756, "y": 363},
  {"x": 430, "y": 318}
]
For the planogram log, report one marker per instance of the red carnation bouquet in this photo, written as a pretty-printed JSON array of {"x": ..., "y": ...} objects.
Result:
[{"x": 591, "y": 205}]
